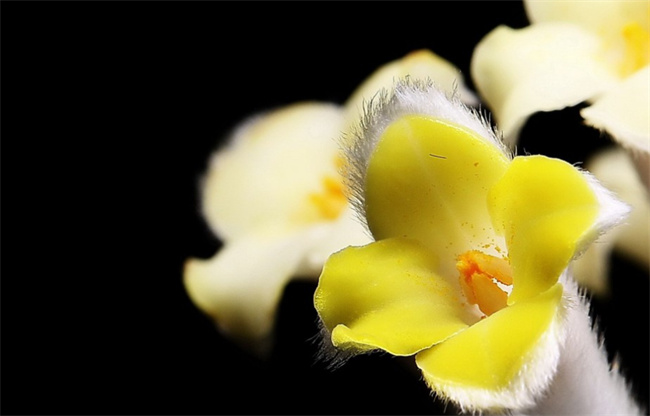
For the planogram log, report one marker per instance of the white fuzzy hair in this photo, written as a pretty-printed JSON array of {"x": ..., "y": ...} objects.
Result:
[
  {"x": 568, "y": 372},
  {"x": 585, "y": 383}
]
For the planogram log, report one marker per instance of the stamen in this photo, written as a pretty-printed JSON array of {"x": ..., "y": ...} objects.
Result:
[
  {"x": 483, "y": 278},
  {"x": 331, "y": 201}
]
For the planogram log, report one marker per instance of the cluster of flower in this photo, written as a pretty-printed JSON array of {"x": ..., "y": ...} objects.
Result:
[{"x": 426, "y": 235}]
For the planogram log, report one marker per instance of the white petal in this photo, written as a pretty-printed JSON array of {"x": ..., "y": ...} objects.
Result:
[
  {"x": 241, "y": 285},
  {"x": 624, "y": 112},
  {"x": 615, "y": 170},
  {"x": 606, "y": 18},
  {"x": 347, "y": 230},
  {"x": 544, "y": 67},
  {"x": 612, "y": 213},
  {"x": 421, "y": 64},
  {"x": 591, "y": 270},
  {"x": 269, "y": 168}
]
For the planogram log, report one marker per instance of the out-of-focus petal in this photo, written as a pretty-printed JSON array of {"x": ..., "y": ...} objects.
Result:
[
  {"x": 503, "y": 361},
  {"x": 241, "y": 285},
  {"x": 420, "y": 64},
  {"x": 544, "y": 67},
  {"x": 277, "y": 169},
  {"x": 428, "y": 179},
  {"x": 622, "y": 26},
  {"x": 614, "y": 169},
  {"x": 624, "y": 112},
  {"x": 386, "y": 295},
  {"x": 545, "y": 208},
  {"x": 347, "y": 230},
  {"x": 599, "y": 16}
]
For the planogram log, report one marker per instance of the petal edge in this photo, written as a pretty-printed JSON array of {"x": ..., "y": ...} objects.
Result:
[
  {"x": 504, "y": 361},
  {"x": 387, "y": 296}
]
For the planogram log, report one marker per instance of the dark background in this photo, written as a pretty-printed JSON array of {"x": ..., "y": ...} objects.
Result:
[{"x": 109, "y": 113}]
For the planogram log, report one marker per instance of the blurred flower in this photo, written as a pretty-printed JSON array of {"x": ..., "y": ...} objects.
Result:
[
  {"x": 419, "y": 64},
  {"x": 469, "y": 252},
  {"x": 275, "y": 197},
  {"x": 614, "y": 169},
  {"x": 572, "y": 52}
]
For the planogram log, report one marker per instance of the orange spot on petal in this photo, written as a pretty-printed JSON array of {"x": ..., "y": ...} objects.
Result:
[{"x": 331, "y": 201}]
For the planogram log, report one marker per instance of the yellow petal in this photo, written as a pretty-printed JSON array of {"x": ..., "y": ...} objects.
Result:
[
  {"x": 624, "y": 112},
  {"x": 544, "y": 207},
  {"x": 499, "y": 361},
  {"x": 277, "y": 169},
  {"x": 420, "y": 64},
  {"x": 386, "y": 295},
  {"x": 428, "y": 180},
  {"x": 544, "y": 67}
]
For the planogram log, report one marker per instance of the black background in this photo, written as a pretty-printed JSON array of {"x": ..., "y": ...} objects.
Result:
[{"x": 109, "y": 113}]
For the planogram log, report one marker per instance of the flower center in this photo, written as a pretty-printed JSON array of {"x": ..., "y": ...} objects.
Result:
[
  {"x": 331, "y": 200},
  {"x": 637, "y": 48},
  {"x": 485, "y": 280}
]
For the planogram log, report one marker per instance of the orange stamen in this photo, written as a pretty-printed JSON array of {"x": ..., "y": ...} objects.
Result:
[{"x": 480, "y": 274}]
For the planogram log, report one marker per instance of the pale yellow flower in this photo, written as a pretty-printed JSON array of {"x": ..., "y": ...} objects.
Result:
[
  {"x": 275, "y": 198},
  {"x": 573, "y": 51}
]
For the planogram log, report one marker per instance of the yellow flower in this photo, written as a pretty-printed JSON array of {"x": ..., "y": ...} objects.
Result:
[
  {"x": 573, "y": 51},
  {"x": 275, "y": 197},
  {"x": 471, "y": 246}
]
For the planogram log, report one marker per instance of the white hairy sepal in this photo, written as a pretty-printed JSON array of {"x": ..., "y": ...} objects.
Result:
[
  {"x": 527, "y": 386},
  {"x": 585, "y": 382},
  {"x": 408, "y": 97},
  {"x": 567, "y": 373}
]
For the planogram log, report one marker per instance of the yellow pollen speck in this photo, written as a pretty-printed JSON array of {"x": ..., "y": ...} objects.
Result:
[
  {"x": 637, "y": 48},
  {"x": 481, "y": 278}
]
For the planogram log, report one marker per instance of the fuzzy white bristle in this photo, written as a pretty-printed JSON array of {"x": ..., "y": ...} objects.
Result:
[{"x": 585, "y": 383}]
